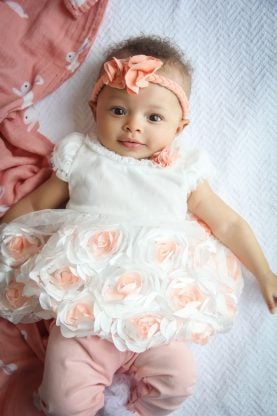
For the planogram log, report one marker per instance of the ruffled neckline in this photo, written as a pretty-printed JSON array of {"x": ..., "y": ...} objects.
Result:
[{"x": 98, "y": 148}]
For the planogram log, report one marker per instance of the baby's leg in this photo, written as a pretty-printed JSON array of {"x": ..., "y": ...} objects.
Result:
[
  {"x": 76, "y": 373},
  {"x": 165, "y": 377}
]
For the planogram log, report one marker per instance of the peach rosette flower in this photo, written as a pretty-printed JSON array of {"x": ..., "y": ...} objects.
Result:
[
  {"x": 95, "y": 245},
  {"x": 127, "y": 289},
  {"x": 165, "y": 157},
  {"x": 143, "y": 331},
  {"x": 18, "y": 243},
  {"x": 11, "y": 292},
  {"x": 76, "y": 318},
  {"x": 162, "y": 248},
  {"x": 14, "y": 295}
]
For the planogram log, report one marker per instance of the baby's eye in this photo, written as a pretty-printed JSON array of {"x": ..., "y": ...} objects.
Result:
[
  {"x": 155, "y": 117},
  {"x": 118, "y": 111}
]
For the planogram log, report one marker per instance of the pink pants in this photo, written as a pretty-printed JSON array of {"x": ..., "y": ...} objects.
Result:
[{"x": 78, "y": 369}]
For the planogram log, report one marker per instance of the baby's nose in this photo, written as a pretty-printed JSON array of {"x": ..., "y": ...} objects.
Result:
[{"x": 133, "y": 123}]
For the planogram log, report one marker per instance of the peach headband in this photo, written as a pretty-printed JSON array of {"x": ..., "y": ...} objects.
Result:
[{"x": 134, "y": 73}]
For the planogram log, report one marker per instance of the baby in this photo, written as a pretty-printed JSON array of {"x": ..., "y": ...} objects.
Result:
[{"x": 143, "y": 260}]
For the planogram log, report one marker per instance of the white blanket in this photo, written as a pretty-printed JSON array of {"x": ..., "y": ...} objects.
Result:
[{"x": 232, "y": 46}]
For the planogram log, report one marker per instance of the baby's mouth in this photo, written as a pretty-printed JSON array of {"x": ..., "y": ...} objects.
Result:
[{"x": 131, "y": 143}]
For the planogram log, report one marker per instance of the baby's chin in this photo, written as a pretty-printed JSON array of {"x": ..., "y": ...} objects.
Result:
[{"x": 134, "y": 153}]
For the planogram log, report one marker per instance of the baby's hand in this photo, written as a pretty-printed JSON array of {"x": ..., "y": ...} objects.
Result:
[{"x": 268, "y": 286}]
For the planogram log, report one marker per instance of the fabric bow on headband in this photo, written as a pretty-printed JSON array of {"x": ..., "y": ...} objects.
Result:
[
  {"x": 130, "y": 73},
  {"x": 134, "y": 73}
]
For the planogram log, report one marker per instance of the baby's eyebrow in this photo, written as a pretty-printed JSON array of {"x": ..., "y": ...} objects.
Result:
[
  {"x": 156, "y": 107},
  {"x": 117, "y": 101},
  {"x": 116, "y": 97}
]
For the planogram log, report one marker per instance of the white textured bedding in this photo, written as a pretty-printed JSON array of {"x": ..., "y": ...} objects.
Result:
[{"x": 233, "y": 48}]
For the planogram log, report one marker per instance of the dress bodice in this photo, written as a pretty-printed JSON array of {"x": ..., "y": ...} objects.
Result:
[{"x": 116, "y": 187}]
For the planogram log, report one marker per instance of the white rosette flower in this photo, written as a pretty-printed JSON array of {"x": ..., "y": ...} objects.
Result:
[
  {"x": 126, "y": 289},
  {"x": 76, "y": 317},
  {"x": 162, "y": 248},
  {"x": 230, "y": 273},
  {"x": 202, "y": 249},
  {"x": 185, "y": 295},
  {"x": 56, "y": 282},
  {"x": 140, "y": 332},
  {"x": 6, "y": 274},
  {"x": 225, "y": 306},
  {"x": 14, "y": 304},
  {"x": 11, "y": 291},
  {"x": 234, "y": 268},
  {"x": 102, "y": 322},
  {"x": 215, "y": 268},
  {"x": 18, "y": 243},
  {"x": 95, "y": 245},
  {"x": 203, "y": 256},
  {"x": 199, "y": 331}
]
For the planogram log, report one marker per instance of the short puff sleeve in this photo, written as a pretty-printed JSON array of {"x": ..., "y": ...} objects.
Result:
[
  {"x": 65, "y": 153},
  {"x": 197, "y": 168}
]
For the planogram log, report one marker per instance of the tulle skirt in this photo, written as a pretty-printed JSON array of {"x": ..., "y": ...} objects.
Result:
[{"x": 137, "y": 286}]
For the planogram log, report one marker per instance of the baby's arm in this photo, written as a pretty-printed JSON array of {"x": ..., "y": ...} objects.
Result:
[
  {"x": 51, "y": 194},
  {"x": 234, "y": 232}
]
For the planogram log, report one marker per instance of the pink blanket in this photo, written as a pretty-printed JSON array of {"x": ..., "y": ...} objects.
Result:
[
  {"x": 22, "y": 351},
  {"x": 42, "y": 44}
]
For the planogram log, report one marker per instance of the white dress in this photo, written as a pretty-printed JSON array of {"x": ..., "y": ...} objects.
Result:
[{"x": 124, "y": 260}]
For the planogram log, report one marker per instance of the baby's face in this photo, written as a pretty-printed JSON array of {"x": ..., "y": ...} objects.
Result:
[{"x": 138, "y": 125}]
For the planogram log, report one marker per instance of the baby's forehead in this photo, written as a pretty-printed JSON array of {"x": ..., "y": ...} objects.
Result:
[
  {"x": 154, "y": 98},
  {"x": 177, "y": 75}
]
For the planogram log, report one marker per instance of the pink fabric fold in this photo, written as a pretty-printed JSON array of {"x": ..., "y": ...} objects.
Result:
[
  {"x": 22, "y": 352},
  {"x": 42, "y": 44}
]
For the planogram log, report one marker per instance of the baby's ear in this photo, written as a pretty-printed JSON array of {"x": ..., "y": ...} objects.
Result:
[
  {"x": 182, "y": 124},
  {"x": 93, "y": 109}
]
